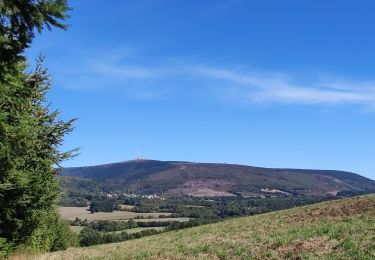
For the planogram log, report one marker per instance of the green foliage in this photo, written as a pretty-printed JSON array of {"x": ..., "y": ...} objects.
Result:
[
  {"x": 5, "y": 248},
  {"x": 156, "y": 223},
  {"x": 220, "y": 207},
  {"x": 102, "y": 206},
  {"x": 110, "y": 226},
  {"x": 188, "y": 224},
  {"x": 89, "y": 236},
  {"x": 18, "y": 21},
  {"x": 52, "y": 234},
  {"x": 77, "y": 191},
  {"x": 30, "y": 136},
  {"x": 78, "y": 222}
]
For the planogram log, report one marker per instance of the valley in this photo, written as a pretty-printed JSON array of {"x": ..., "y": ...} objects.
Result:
[
  {"x": 341, "y": 229},
  {"x": 127, "y": 200}
]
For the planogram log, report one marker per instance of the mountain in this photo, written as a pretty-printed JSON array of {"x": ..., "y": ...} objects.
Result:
[
  {"x": 341, "y": 229},
  {"x": 173, "y": 178}
]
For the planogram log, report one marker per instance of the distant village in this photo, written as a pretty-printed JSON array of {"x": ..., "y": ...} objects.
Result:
[{"x": 131, "y": 195}]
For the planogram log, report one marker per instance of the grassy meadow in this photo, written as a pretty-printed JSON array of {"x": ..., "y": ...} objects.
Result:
[
  {"x": 343, "y": 229},
  {"x": 71, "y": 213}
]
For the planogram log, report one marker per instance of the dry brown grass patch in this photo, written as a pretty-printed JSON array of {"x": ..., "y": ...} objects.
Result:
[
  {"x": 347, "y": 209},
  {"x": 318, "y": 245}
]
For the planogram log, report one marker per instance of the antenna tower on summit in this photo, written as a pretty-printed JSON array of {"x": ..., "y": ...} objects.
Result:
[{"x": 138, "y": 156}]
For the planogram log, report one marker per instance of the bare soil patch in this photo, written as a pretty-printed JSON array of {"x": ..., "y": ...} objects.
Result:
[{"x": 203, "y": 188}]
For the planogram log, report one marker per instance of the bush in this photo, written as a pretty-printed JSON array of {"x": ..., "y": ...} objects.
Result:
[
  {"x": 5, "y": 248},
  {"x": 89, "y": 236},
  {"x": 109, "y": 226},
  {"x": 52, "y": 234}
]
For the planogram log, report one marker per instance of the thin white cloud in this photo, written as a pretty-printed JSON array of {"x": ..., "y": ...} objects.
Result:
[
  {"x": 273, "y": 88},
  {"x": 153, "y": 81}
]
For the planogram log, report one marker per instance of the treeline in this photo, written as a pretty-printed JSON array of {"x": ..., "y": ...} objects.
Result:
[
  {"x": 102, "y": 206},
  {"x": 156, "y": 223},
  {"x": 89, "y": 236},
  {"x": 110, "y": 226},
  {"x": 94, "y": 234},
  {"x": 207, "y": 208},
  {"x": 225, "y": 207},
  {"x": 190, "y": 223}
]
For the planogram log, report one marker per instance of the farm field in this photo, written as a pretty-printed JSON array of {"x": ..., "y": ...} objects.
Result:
[
  {"x": 342, "y": 229},
  {"x": 71, "y": 213},
  {"x": 126, "y": 207}
]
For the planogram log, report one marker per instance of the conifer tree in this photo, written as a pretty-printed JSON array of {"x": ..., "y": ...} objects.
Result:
[
  {"x": 30, "y": 137},
  {"x": 19, "y": 19},
  {"x": 30, "y": 134}
]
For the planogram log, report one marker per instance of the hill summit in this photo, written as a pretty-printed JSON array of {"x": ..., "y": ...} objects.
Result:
[{"x": 177, "y": 178}]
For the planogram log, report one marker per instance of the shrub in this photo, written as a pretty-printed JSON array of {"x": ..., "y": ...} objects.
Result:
[
  {"x": 52, "y": 234},
  {"x": 5, "y": 248}
]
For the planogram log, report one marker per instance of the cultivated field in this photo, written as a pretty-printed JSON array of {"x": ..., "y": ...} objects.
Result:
[
  {"x": 126, "y": 207},
  {"x": 342, "y": 229},
  {"x": 70, "y": 213}
]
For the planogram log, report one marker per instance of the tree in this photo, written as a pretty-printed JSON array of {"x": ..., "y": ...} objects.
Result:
[
  {"x": 89, "y": 237},
  {"x": 30, "y": 134},
  {"x": 18, "y": 21}
]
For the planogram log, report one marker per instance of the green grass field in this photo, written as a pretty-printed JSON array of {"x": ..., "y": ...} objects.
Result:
[{"x": 342, "y": 229}]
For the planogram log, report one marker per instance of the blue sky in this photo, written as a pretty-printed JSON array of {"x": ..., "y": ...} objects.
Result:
[{"x": 265, "y": 83}]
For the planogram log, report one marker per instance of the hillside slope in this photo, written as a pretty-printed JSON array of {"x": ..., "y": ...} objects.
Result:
[
  {"x": 343, "y": 229},
  {"x": 209, "y": 179}
]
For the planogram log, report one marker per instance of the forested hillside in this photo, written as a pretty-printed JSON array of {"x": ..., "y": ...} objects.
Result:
[{"x": 167, "y": 178}]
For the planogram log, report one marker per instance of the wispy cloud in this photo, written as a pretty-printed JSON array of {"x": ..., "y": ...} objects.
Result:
[
  {"x": 273, "y": 88},
  {"x": 154, "y": 81}
]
